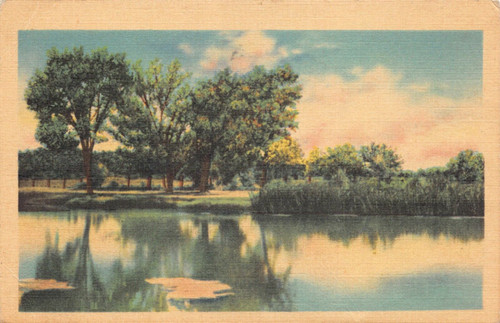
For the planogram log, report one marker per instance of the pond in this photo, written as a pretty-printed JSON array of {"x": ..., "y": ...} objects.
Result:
[{"x": 278, "y": 263}]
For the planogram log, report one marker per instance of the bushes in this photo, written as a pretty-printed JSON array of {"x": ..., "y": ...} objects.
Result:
[{"x": 368, "y": 196}]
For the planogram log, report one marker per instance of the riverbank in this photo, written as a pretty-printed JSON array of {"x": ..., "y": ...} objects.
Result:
[{"x": 53, "y": 199}]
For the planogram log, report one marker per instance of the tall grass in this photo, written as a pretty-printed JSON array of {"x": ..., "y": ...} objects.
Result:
[{"x": 368, "y": 196}]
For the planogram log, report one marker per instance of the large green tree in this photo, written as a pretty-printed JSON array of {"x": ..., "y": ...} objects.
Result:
[
  {"x": 214, "y": 119},
  {"x": 269, "y": 98},
  {"x": 237, "y": 117},
  {"x": 155, "y": 120},
  {"x": 81, "y": 90}
]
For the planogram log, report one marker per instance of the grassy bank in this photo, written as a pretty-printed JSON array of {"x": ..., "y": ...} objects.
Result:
[
  {"x": 37, "y": 199},
  {"x": 370, "y": 197}
]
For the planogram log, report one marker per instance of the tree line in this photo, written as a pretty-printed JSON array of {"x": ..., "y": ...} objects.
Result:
[
  {"x": 285, "y": 160},
  {"x": 156, "y": 112}
]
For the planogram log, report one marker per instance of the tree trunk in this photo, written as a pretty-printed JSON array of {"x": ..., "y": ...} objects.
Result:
[
  {"x": 205, "y": 172},
  {"x": 170, "y": 181},
  {"x": 87, "y": 168},
  {"x": 128, "y": 181},
  {"x": 263, "y": 176},
  {"x": 32, "y": 182},
  {"x": 181, "y": 181},
  {"x": 148, "y": 182},
  {"x": 81, "y": 179},
  {"x": 285, "y": 178},
  {"x": 64, "y": 182},
  {"x": 48, "y": 182},
  {"x": 309, "y": 179}
]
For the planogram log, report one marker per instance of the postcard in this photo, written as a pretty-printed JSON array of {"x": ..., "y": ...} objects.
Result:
[{"x": 271, "y": 161}]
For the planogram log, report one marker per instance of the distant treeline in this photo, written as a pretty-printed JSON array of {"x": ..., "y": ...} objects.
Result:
[
  {"x": 370, "y": 182},
  {"x": 284, "y": 161}
]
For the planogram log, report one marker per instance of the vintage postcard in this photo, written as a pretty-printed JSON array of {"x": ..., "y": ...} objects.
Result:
[{"x": 272, "y": 161}]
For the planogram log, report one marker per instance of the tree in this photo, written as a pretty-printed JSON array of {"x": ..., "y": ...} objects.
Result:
[
  {"x": 81, "y": 90},
  {"x": 467, "y": 166},
  {"x": 237, "y": 117},
  {"x": 345, "y": 158},
  {"x": 380, "y": 161},
  {"x": 284, "y": 155},
  {"x": 313, "y": 163},
  {"x": 213, "y": 119},
  {"x": 269, "y": 98},
  {"x": 155, "y": 120}
]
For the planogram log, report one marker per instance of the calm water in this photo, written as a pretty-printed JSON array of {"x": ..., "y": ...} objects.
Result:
[{"x": 336, "y": 263}]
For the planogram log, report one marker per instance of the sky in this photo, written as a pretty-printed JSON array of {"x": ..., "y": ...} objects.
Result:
[{"x": 419, "y": 92}]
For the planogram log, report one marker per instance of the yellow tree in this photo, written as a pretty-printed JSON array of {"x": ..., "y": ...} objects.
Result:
[
  {"x": 313, "y": 163},
  {"x": 285, "y": 155}
]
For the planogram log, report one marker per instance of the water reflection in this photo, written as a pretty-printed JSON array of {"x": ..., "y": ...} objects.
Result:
[{"x": 272, "y": 264}]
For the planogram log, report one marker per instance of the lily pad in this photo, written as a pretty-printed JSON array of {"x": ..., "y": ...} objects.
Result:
[
  {"x": 30, "y": 284},
  {"x": 181, "y": 288}
]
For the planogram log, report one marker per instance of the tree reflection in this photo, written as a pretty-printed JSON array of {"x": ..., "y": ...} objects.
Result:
[
  {"x": 278, "y": 298},
  {"x": 89, "y": 293},
  {"x": 207, "y": 248},
  {"x": 287, "y": 230}
]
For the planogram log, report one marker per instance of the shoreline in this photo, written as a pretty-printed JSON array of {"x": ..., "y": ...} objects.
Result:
[
  {"x": 216, "y": 201},
  {"x": 60, "y": 200}
]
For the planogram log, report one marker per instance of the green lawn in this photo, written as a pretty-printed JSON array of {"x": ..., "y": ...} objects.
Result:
[{"x": 46, "y": 199}]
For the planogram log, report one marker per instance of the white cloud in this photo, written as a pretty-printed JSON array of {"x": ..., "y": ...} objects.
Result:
[
  {"x": 243, "y": 52},
  {"x": 186, "y": 48},
  {"x": 427, "y": 132}
]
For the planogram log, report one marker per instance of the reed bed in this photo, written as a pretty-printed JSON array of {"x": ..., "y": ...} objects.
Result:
[{"x": 368, "y": 196}]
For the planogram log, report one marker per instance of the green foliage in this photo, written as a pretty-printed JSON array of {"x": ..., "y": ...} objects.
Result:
[
  {"x": 284, "y": 152},
  {"x": 79, "y": 89},
  {"x": 154, "y": 120},
  {"x": 381, "y": 161},
  {"x": 467, "y": 166},
  {"x": 43, "y": 163},
  {"x": 236, "y": 117},
  {"x": 313, "y": 162},
  {"x": 74, "y": 95},
  {"x": 343, "y": 158},
  {"x": 367, "y": 197},
  {"x": 243, "y": 181},
  {"x": 55, "y": 134}
]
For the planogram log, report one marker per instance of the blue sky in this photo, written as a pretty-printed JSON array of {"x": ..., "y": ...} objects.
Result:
[
  {"x": 451, "y": 57},
  {"x": 352, "y": 79}
]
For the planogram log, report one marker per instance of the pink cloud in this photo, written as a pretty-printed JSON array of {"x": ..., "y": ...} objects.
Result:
[{"x": 374, "y": 108}]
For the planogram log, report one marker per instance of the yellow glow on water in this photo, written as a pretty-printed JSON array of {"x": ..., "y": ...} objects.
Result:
[
  {"x": 105, "y": 240},
  {"x": 188, "y": 228},
  {"x": 250, "y": 229},
  {"x": 359, "y": 266}
]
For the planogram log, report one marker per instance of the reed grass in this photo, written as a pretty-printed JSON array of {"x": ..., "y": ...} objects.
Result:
[{"x": 368, "y": 196}]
